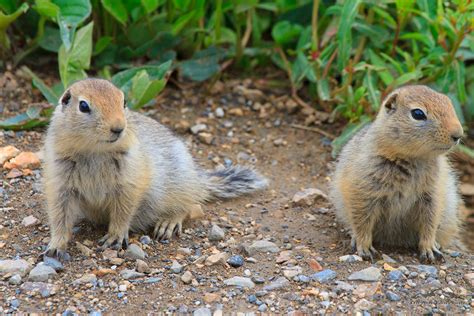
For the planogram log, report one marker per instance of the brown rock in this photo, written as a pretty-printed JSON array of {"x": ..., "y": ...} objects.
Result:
[
  {"x": 206, "y": 138},
  {"x": 83, "y": 249},
  {"x": 211, "y": 298},
  {"x": 142, "y": 266},
  {"x": 14, "y": 173},
  {"x": 315, "y": 265},
  {"x": 469, "y": 277},
  {"x": 23, "y": 160},
  {"x": 366, "y": 289},
  {"x": 215, "y": 259},
  {"x": 236, "y": 112},
  {"x": 308, "y": 197},
  {"x": 7, "y": 153},
  {"x": 284, "y": 256}
]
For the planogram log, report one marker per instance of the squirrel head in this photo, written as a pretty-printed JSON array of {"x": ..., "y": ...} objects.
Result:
[
  {"x": 92, "y": 115},
  {"x": 416, "y": 121}
]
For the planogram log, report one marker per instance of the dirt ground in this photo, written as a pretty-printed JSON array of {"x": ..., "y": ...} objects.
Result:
[{"x": 257, "y": 129}]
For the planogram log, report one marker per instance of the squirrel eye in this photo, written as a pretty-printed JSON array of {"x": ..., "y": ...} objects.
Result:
[
  {"x": 418, "y": 114},
  {"x": 124, "y": 104},
  {"x": 84, "y": 107}
]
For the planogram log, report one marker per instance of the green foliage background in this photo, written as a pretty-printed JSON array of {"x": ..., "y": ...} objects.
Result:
[{"x": 343, "y": 56}]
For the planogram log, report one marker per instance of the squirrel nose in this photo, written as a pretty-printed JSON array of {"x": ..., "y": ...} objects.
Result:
[
  {"x": 116, "y": 130},
  {"x": 456, "y": 136}
]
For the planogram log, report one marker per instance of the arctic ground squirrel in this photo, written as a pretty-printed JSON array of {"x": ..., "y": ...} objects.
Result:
[
  {"x": 393, "y": 184},
  {"x": 117, "y": 167}
]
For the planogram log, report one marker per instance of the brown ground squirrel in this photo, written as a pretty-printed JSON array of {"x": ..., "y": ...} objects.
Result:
[
  {"x": 118, "y": 167},
  {"x": 393, "y": 184}
]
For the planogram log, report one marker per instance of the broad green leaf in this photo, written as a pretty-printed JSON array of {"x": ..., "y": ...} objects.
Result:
[
  {"x": 102, "y": 44},
  {"x": 324, "y": 92},
  {"x": 150, "y": 5},
  {"x": 46, "y": 8},
  {"x": 6, "y": 20},
  {"x": 143, "y": 90},
  {"x": 71, "y": 14},
  {"x": 117, "y": 9},
  {"x": 51, "y": 39},
  {"x": 51, "y": 96},
  {"x": 385, "y": 75},
  {"x": 405, "y": 78},
  {"x": 203, "y": 65},
  {"x": 374, "y": 94},
  {"x": 182, "y": 21},
  {"x": 344, "y": 32},
  {"x": 349, "y": 131},
  {"x": 30, "y": 119},
  {"x": 123, "y": 79},
  {"x": 285, "y": 32},
  {"x": 74, "y": 62}
]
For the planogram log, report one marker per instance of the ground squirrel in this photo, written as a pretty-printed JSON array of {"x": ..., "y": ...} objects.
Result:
[
  {"x": 117, "y": 167},
  {"x": 393, "y": 184}
]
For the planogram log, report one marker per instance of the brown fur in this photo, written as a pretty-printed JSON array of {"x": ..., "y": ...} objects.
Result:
[{"x": 393, "y": 183}]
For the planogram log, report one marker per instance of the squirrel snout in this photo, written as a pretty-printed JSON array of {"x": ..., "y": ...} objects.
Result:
[
  {"x": 117, "y": 130},
  {"x": 456, "y": 136}
]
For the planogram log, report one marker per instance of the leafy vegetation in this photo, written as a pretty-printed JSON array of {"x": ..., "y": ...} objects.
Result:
[{"x": 339, "y": 56}]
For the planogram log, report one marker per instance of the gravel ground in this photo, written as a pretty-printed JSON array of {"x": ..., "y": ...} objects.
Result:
[{"x": 270, "y": 252}]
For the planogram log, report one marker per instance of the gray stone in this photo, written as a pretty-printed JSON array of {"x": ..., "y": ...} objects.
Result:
[
  {"x": 145, "y": 240},
  {"x": 219, "y": 112},
  {"x": 176, "y": 267},
  {"x": 128, "y": 274},
  {"x": 41, "y": 273},
  {"x": 388, "y": 259},
  {"x": 53, "y": 263},
  {"x": 258, "y": 280},
  {"x": 196, "y": 129},
  {"x": 342, "y": 286},
  {"x": 262, "y": 308},
  {"x": 370, "y": 274},
  {"x": 236, "y": 261},
  {"x": 279, "y": 283},
  {"x": 364, "y": 305},
  {"x": 88, "y": 278},
  {"x": 30, "y": 221},
  {"x": 203, "y": 311},
  {"x": 350, "y": 258},
  {"x": 392, "y": 296},
  {"x": 262, "y": 246},
  {"x": 134, "y": 252},
  {"x": 291, "y": 272},
  {"x": 19, "y": 266},
  {"x": 15, "y": 279},
  {"x": 395, "y": 275},
  {"x": 44, "y": 289},
  {"x": 240, "y": 281},
  {"x": 324, "y": 276},
  {"x": 429, "y": 270},
  {"x": 142, "y": 266},
  {"x": 187, "y": 277},
  {"x": 216, "y": 233}
]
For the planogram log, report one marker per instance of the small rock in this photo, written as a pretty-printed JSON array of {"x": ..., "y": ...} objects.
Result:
[
  {"x": 370, "y": 274},
  {"x": 342, "y": 286},
  {"x": 392, "y": 296},
  {"x": 219, "y": 112},
  {"x": 128, "y": 274},
  {"x": 123, "y": 287},
  {"x": 366, "y": 289},
  {"x": 7, "y": 153},
  {"x": 135, "y": 252},
  {"x": 262, "y": 246},
  {"x": 109, "y": 254},
  {"x": 145, "y": 240},
  {"x": 258, "y": 280},
  {"x": 41, "y": 273},
  {"x": 254, "y": 95},
  {"x": 30, "y": 221},
  {"x": 88, "y": 278},
  {"x": 236, "y": 261},
  {"x": 388, "y": 259},
  {"x": 469, "y": 278},
  {"x": 239, "y": 281},
  {"x": 53, "y": 263},
  {"x": 324, "y": 276},
  {"x": 395, "y": 275},
  {"x": 262, "y": 308},
  {"x": 308, "y": 197},
  {"x": 44, "y": 289},
  {"x": 303, "y": 279},
  {"x": 315, "y": 265},
  {"x": 19, "y": 266},
  {"x": 236, "y": 112},
  {"x": 203, "y": 311},
  {"x": 15, "y": 279},
  {"x": 364, "y": 305},
  {"x": 429, "y": 270},
  {"x": 176, "y": 267},
  {"x": 196, "y": 129},
  {"x": 284, "y": 256},
  {"x": 142, "y": 266},
  {"x": 187, "y": 277},
  {"x": 210, "y": 298},
  {"x": 216, "y": 233},
  {"x": 291, "y": 272},
  {"x": 14, "y": 173},
  {"x": 350, "y": 258},
  {"x": 84, "y": 250},
  {"x": 279, "y": 283},
  {"x": 24, "y": 160},
  {"x": 184, "y": 251},
  {"x": 206, "y": 138}
]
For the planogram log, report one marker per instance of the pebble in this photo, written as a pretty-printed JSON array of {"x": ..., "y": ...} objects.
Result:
[
  {"x": 366, "y": 289},
  {"x": 135, "y": 252},
  {"x": 392, "y": 296},
  {"x": 308, "y": 197},
  {"x": 42, "y": 288},
  {"x": 15, "y": 279},
  {"x": 219, "y": 112},
  {"x": 128, "y": 274},
  {"x": 236, "y": 261},
  {"x": 395, "y": 275},
  {"x": 262, "y": 308},
  {"x": 176, "y": 267},
  {"x": 19, "y": 266},
  {"x": 196, "y": 129},
  {"x": 303, "y": 279},
  {"x": 429, "y": 270},
  {"x": 88, "y": 278},
  {"x": 53, "y": 263},
  {"x": 258, "y": 280},
  {"x": 262, "y": 246},
  {"x": 324, "y": 276},
  {"x": 350, "y": 258},
  {"x": 203, "y": 311},
  {"x": 184, "y": 251},
  {"x": 24, "y": 160},
  {"x": 211, "y": 298},
  {"x": 388, "y": 259},
  {"x": 370, "y": 274},
  {"x": 7, "y": 153},
  {"x": 30, "y": 221},
  {"x": 206, "y": 138},
  {"x": 469, "y": 278},
  {"x": 284, "y": 256},
  {"x": 240, "y": 281},
  {"x": 291, "y": 272},
  {"x": 187, "y": 277},
  {"x": 41, "y": 273},
  {"x": 142, "y": 266},
  {"x": 342, "y": 286},
  {"x": 364, "y": 305},
  {"x": 152, "y": 280},
  {"x": 279, "y": 283},
  {"x": 85, "y": 251},
  {"x": 145, "y": 240},
  {"x": 216, "y": 233}
]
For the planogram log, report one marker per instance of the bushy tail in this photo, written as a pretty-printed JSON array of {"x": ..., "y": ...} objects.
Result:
[{"x": 234, "y": 181}]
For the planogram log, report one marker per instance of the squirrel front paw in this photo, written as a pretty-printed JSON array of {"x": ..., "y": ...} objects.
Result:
[
  {"x": 431, "y": 254},
  {"x": 114, "y": 241},
  {"x": 60, "y": 254},
  {"x": 364, "y": 250}
]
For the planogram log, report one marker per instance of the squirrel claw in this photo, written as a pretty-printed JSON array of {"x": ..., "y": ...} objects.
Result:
[
  {"x": 167, "y": 229},
  {"x": 61, "y": 255},
  {"x": 113, "y": 242},
  {"x": 431, "y": 256}
]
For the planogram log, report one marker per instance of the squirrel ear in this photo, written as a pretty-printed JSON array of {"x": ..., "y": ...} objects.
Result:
[
  {"x": 390, "y": 103},
  {"x": 66, "y": 98}
]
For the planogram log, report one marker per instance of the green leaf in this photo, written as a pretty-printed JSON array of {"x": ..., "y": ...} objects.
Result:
[
  {"x": 6, "y": 20},
  {"x": 324, "y": 90},
  {"x": 102, "y": 44},
  {"x": 203, "y": 65},
  {"x": 73, "y": 63},
  {"x": 117, "y": 9},
  {"x": 349, "y": 131},
  {"x": 30, "y": 119},
  {"x": 466, "y": 150},
  {"x": 385, "y": 75},
  {"x": 285, "y": 32},
  {"x": 374, "y": 94},
  {"x": 344, "y": 32},
  {"x": 51, "y": 39},
  {"x": 407, "y": 77},
  {"x": 182, "y": 21},
  {"x": 143, "y": 89},
  {"x": 460, "y": 81},
  {"x": 150, "y": 5},
  {"x": 46, "y": 8},
  {"x": 71, "y": 14},
  {"x": 48, "y": 93}
]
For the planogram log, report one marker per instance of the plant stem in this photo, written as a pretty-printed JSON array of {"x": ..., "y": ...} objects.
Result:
[{"x": 314, "y": 25}]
